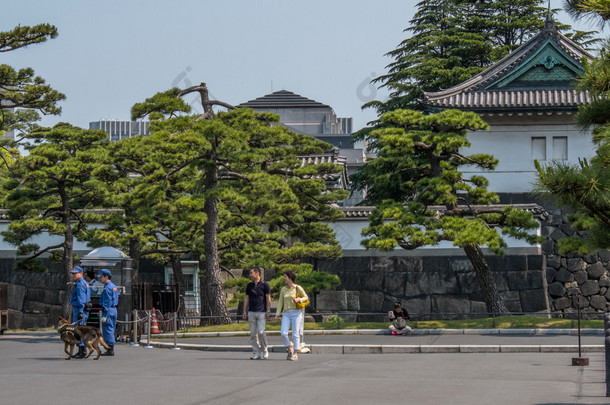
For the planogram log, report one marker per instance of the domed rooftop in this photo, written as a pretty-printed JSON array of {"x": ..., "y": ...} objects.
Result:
[
  {"x": 105, "y": 252},
  {"x": 105, "y": 256}
]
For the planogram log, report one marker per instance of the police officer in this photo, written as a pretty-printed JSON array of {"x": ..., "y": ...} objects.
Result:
[
  {"x": 108, "y": 301},
  {"x": 80, "y": 300}
]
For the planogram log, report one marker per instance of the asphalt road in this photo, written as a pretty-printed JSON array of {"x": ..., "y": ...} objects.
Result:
[{"x": 33, "y": 371}]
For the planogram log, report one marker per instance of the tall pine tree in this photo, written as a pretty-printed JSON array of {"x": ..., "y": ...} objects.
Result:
[
  {"x": 432, "y": 200},
  {"x": 451, "y": 41},
  {"x": 24, "y": 96},
  {"x": 252, "y": 200}
]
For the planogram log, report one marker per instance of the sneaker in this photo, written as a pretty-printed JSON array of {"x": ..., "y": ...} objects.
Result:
[
  {"x": 394, "y": 332},
  {"x": 255, "y": 356},
  {"x": 265, "y": 355},
  {"x": 294, "y": 357},
  {"x": 289, "y": 356}
]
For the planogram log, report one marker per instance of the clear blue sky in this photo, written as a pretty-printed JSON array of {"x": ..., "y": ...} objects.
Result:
[{"x": 111, "y": 54}]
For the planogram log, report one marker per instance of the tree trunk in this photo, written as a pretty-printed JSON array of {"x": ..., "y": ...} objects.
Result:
[
  {"x": 488, "y": 286},
  {"x": 179, "y": 279},
  {"x": 67, "y": 258},
  {"x": 176, "y": 263},
  {"x": 213, "y": 299},
  {"x": 134, "y": 254}
]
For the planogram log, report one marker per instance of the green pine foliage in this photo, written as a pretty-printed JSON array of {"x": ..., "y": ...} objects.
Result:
[
  {"x": 422, "y": 156},
  {"x": 422, "y": 197},
  {"x": 62, "y": 175},
  {"x": 450, "y": 42},
  {"x": 584, "y": 188},
  {"x": 589, "y": 9},
  {"x": 235, "y": 169},
  {"x": 23, "y": 95}
]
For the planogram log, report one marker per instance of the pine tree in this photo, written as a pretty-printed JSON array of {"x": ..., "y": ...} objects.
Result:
[
  {"x": 23, "y": 96},
  {"x": 250, "y": 199},
  {"x": 50, "y": 188},
  {"x": 452, "y": 41},
  {"x": 418, "y": 167},
  {"x": 442, "y": 51}
]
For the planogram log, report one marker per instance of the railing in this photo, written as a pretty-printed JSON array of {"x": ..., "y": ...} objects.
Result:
[{"x": 140, "y": 322}]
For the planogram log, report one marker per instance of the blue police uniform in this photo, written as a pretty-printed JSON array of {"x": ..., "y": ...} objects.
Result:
[
  {"x": 109, "y": 301},
  {"x": 80, "y": 296}
]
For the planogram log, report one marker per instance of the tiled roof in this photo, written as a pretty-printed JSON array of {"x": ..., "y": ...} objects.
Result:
[
  {"x": 333, "y": 180},
  {"x": 283, "y": 99},
  {"x": 537, "y": 210},
  {"x": 511, "y": 99},
  {"x": 514, "y": 85},
  {"x": 357, "y": 212}
]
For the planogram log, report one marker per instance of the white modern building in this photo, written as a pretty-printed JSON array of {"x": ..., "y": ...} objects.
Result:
[{"x": 118, "y": 130}]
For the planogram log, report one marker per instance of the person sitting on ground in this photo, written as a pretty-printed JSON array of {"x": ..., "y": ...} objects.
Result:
[{"x": 399, "y": 317}]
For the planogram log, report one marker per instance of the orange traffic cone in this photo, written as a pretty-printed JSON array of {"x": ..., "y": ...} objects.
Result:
[{"x": 154, "y": 327}]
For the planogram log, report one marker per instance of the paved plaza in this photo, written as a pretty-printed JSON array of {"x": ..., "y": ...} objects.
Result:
[{"x": 33, "y": 371}]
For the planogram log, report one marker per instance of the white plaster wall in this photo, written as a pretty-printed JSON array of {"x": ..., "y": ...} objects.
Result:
[
  {"x": 509, "y": 141},
  {"x": 349, "y": 236},
  {"x": 42, "y": 240}
]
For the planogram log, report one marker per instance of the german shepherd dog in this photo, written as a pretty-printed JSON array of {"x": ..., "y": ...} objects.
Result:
[{"x": 71, "y": 335}]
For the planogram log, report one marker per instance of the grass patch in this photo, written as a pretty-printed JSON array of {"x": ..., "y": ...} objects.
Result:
[{"x": 501, "y": 322}]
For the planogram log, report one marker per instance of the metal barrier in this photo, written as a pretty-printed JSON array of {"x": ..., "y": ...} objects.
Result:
[
  {"x": 141, "y": 321},
  {"x": 3, "y": 307},
  {"x": 607, "y": 347}
]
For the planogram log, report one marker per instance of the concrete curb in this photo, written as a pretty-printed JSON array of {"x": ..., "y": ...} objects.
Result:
[
  {"x": 418, "y": 332},
  {"x": 394, "y": 349}
]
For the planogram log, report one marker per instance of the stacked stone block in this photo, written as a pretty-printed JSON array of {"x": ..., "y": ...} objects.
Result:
[
  {"x": 572, "y": 278},
  {"x": 431, "y": 284}
]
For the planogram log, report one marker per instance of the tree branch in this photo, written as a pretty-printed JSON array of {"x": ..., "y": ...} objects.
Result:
[
  {"x": 48, "y": 248},
  {"x": 206, "y": 103}
]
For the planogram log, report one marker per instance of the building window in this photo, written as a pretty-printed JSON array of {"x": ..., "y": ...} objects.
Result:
[
  {"x": 539, "y": 148},
  {"x": 191, "y": 290},
  {"x": 560, "y": 148},
  {"x": 190, "y": 278}
]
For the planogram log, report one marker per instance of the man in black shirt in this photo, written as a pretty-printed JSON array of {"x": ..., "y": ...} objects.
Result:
[{"x": 256, "y": 308}]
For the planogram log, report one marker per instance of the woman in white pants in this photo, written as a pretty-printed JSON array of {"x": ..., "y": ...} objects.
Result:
[{"x": 290, "y": 294}]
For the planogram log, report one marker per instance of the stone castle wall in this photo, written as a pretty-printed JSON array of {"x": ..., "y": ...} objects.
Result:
[
  {"x": 34, "y": 299},
  {"x": 572, "y": 278},
  {"x": 429, "y": 285}
]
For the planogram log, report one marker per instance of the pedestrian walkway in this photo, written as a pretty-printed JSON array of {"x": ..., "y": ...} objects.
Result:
[
  {"x": 153, "y": 376},
  {"x": 370, "y": 341}
]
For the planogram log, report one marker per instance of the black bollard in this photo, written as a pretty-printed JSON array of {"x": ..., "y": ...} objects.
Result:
[
  {"x": 579, "y": 361},
  {"x": 607, "y": 347}
]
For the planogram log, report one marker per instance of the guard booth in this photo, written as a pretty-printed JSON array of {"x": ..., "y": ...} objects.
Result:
[
  {"x": 3, "y": 307},
  {"x": 119, "y": 264}
]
